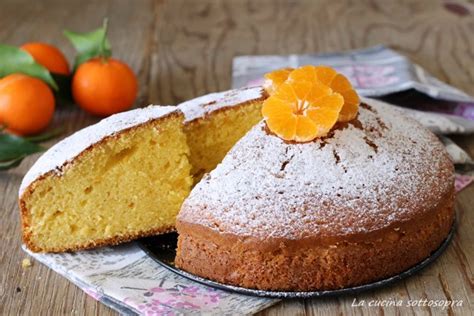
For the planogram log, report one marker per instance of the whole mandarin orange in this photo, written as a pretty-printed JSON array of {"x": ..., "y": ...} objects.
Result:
[
  {"x": 26, "y": 104},
  {"x": 104, "y": 86},
  {"x": 48, "y": 56}
]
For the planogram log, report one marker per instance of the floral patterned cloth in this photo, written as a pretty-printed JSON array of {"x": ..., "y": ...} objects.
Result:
[{"x": 126, "y": 279}]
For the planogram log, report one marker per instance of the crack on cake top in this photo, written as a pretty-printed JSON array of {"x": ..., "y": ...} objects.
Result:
[
  {"x": 371, "y": 144},
  {"x": 336, "y": 156},
  {"x": 367, "y": 107}
]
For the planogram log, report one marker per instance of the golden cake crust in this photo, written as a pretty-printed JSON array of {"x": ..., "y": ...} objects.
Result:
[
  {"x": 376, "y": 195},
  {"x": 308, "y": 264}
]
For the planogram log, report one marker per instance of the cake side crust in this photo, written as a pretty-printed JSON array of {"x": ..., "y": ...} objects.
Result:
[
  {"x": 305, "y": 265},
  {"x": 113, "y": 241}
]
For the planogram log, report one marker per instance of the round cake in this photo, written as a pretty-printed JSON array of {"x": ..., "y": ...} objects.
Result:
[{"x": 371, "y": 199}]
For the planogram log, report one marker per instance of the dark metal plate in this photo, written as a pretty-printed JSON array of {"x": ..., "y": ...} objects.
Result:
[{"x": 162, "y": 249}]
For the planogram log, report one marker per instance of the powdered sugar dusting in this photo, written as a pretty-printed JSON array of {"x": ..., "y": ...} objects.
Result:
[
  {"x": 200, "y": 107},
  {"x": 67, "y": 149},
  {"x": 372, "y": 173}
]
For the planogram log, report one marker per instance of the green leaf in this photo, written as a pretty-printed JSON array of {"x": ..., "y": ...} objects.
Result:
[
  {"x": 4, "y": 165},
  {"x": 15, "y": 147},
  {"x": 90, "y": 45},
  {"x": 45, "y": 136},
  {"x": 16, "y": 60}
]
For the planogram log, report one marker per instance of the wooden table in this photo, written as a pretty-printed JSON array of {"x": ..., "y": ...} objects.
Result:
[{"x": 182, "y": 49}]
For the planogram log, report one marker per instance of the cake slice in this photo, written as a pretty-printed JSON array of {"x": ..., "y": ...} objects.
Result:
[
  {"x": 126, "y": 177},
  {"x": 118, "y": 180}
]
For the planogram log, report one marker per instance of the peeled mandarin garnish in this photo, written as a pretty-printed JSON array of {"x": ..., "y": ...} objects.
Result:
[
  {"x": 302, "y": 110},
  {"x": 275, "y": 78},
  {"x": 325, "y": 75}
]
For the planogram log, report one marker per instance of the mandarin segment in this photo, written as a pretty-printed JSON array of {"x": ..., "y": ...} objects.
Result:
[
  {"x": 318, "y": 91},
  {"x": 285, "y": 92},
  {"x": 326, "y": 113},
  {"x": 275, "y": 106},
  {"x": 325, "y": 74},
  {"x": 284, "y": 125},
  {"x": 275, "y": 78},
  {"x": 350, "y": 96},
  {"x": 342, "y": 85},
  {"x": 348, "y": 112},
  {"x": 305, "y": 129},
  {"x": 300, "y": 89},
  {"x": 351, "y": 106},
  {"x": 280, "y": 117},
  {"x": 333, "y": 102},
  {"x": 304, "y": 73}
]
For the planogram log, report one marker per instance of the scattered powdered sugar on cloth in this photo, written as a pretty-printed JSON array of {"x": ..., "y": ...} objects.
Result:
[{"x": 370, "y": 173}]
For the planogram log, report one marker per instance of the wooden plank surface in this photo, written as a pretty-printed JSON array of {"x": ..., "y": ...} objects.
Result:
[{"x": 182, "y": 49}]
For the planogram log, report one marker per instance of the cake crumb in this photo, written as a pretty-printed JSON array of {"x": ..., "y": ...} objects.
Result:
[{"x": 26, "y": 263}]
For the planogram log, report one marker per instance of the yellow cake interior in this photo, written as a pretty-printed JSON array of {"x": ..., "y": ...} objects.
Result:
[
  {"x": 131, "y": 185},
  {"x": 211, "y": 138},
  {"x": 93, "y": 201}
]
